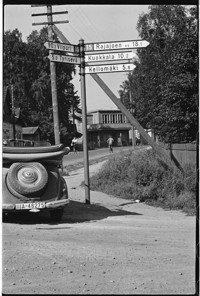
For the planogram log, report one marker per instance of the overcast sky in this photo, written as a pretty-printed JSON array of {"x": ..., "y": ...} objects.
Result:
[{"x": 93, "y": 23}]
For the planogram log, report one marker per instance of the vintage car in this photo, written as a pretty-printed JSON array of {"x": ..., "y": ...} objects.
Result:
[{"x": 32, "y": 179}]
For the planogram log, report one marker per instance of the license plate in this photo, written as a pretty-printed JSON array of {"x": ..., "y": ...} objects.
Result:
[{"x": 30, "y": 206}]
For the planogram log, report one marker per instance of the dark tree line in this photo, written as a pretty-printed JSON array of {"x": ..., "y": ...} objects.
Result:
[
  {"x": 164, "y": 84},
  {"x": 27, "y": 67}
]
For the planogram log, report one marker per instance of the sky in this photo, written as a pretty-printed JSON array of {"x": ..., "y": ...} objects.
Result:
[{"x": 93, "y": 23}]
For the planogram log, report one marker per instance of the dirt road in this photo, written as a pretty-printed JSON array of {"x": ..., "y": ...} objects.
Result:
[{"x": 112, "y": 246}]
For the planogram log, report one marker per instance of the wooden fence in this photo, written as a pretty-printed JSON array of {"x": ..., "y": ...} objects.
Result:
[{"x": 183, "y": 153}]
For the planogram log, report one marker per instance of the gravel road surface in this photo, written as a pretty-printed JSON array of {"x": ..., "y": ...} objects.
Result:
[{"x": 112, "y": 246}]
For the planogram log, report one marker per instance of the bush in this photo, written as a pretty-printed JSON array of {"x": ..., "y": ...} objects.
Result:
[
  {"x": 186, "y": 201},
  {"x": 190, "y": 177},
  {"x": 140, "y": 175}
]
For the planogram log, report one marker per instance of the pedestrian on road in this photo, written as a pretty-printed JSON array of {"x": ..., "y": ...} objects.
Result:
[
  {"x": 74, "y": 144},
  {"x": 110, "y": 142}
]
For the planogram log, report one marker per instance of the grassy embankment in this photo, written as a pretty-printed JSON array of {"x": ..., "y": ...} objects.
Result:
[{"x": 140, "y": 176}]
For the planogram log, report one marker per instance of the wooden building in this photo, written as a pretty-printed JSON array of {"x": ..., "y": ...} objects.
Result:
[{"x": 31, "y": 133}]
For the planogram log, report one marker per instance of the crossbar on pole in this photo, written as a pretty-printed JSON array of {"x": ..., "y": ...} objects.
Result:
[
  {"x": 46, "y": 23},
  {"x": 39, "y": 14}
]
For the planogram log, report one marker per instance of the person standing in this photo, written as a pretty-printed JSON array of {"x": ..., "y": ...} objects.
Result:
[
  {"x": 110, "y": 142},
  {"x": 74, "y": 144}
]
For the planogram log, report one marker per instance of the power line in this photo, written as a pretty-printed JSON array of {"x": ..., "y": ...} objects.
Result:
[
  {"x": 81, "y": 22},
  {"x": 89, "y": 22}
]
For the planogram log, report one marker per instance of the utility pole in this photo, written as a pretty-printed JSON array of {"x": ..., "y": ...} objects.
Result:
[
  {"x": 84, "y": 111},
  {"x": 84, "y": 119},
  {"x": 52, "y": 66},
  {"x": 53, "y": 79}
]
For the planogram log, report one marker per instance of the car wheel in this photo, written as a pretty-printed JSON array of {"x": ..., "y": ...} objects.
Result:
[
  {"x": 27, "y": 178},
  {"x": 56, "y": 215}
]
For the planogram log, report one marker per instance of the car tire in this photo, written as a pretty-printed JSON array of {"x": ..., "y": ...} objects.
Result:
[
  {"x": 56, "y": 215},
  {"x": 27, "y": 179}
]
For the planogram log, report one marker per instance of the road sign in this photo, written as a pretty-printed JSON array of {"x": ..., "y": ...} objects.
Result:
[
  {"x": 62, "y": 47},
  {"x": 109, "y": 68},
  {"x": 117, "y": 45},
  {"x": 125, "y": 55},
  {"x": 64, "y": 59}
]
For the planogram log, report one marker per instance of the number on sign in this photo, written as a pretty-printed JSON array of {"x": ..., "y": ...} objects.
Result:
[{"x": 54, "y": 57}]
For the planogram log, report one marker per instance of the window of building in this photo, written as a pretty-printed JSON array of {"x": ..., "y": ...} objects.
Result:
[
  {"x": 116, "y": 118},
  {"x": 113, "y": 118},
  {"x": 105, "y": 118}
]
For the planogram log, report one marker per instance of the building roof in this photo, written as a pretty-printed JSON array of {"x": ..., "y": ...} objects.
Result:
[
  {"x": 103, "y": 110},
  {"x": 29, "y": 130}
]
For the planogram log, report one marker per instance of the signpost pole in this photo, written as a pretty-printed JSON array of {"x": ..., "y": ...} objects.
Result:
[
  {"x": 53, "y": 79},
  {"x": 84, "y": 121}
]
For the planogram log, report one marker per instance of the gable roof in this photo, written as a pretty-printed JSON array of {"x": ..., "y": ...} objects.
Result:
[
  {"x": 104, "y": 111},
  {"x": 31, "y": 130}
]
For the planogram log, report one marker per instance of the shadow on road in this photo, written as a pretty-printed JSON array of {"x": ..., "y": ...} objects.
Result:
[
  {"x": 76, "y": 212},
  {"x": 80, "y": 212}
]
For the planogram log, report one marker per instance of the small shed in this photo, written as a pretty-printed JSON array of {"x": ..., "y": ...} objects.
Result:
[{"x": 31, "y": 133}]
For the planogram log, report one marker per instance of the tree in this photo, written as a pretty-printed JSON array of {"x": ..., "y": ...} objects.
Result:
[
  {"x": 164, "y": 83},
  {"x": 26, "y": 65}
]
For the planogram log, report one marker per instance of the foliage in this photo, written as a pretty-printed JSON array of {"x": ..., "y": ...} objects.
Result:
[
  {"x": 27, "y": 67},
  {"x": 139, "y": 175},
  {"x": 164, "y": 84}
]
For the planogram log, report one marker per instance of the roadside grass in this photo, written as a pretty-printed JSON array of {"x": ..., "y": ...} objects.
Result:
[
  {"x": 69, "y": 168},
  {"x": 139, "y": 175}
]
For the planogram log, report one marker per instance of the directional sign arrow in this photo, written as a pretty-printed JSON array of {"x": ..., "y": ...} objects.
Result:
[
  {"x": 62, "y": 47},
  {"x": 64, "y": 59},
  {"x": 117, "y": 45},
  {"x": 125, "y": 55},
  {"x": 109, "y": 68}
]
